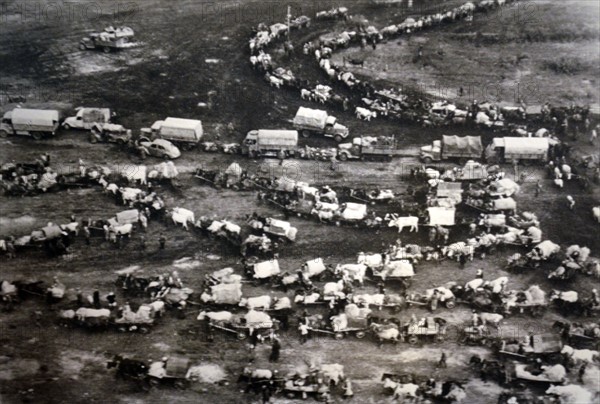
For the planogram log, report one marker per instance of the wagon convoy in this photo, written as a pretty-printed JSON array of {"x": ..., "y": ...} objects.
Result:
[{"x": 320, "y": 297}]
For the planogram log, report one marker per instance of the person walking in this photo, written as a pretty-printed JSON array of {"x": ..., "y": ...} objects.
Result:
[
  {"x": 581, "y": 372},
  {"x": 333, "y": 165},
  {"x": 96, "y": 299},
  {"x": 538, "y": 188},
  {"x": 433, "y": 302},
  {"x": 593, "y": 135},
  {"x": 348, "y": 393},
  {"x": 571, "y": 202},
  {"x": 303, "y": 332},
  {"x": 442, "y": 362},
  {"x": 479, "y": 273},
  {"x": 142, "y": 243},
  {"x": 143, "y": 221},
  {"x": 162, "y": 240},
  {"x": 86, "y": 234},
  {"x": 275, "y": 349}
]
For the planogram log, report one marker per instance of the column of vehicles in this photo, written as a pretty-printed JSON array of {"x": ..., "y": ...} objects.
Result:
[{"x": 166, "y": 137}]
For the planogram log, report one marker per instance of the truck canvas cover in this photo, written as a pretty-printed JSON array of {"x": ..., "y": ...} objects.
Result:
[
  {"x": 310, "y": 117},
  {"x": 267, "y": 137},
  {"x": 466, "y": 144},
  {"x": 33, "y": 117},
  {"x": 526, "y": 145},
  {"x": 172, "y": 126}
]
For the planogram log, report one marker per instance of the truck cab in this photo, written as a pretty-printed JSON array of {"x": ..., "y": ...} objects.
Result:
[
  {"x": 432, "y": 152},
  {"x": 86, "y": 118},
  {"x": 334, "y": 129},
  {"x": 249, "y": 142}
]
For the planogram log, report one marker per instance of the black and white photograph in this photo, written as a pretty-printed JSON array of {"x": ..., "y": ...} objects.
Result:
[{"x": 268, "y": 201}]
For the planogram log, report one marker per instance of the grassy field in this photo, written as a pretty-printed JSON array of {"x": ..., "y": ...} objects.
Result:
[{"x": 537, "y": 51}]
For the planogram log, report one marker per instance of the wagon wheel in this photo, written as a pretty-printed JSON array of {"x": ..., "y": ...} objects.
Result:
[
  {"x": 106, "y": 49},
  {"x": 413, "y": 339},
  {"x": 153, "y": 382},
  {"x": 396, "y": 309},
  {"x": 339, "y": 335},
  {"x": 305, "y": 133},
  {"x": 439, "y": 338},
  {"x": 450, "y": 304},
  {"x": 143, "y": 330},
  {"x": 36, "y": 135},
  {"x": 241, "y": 335},
  {"x": 360, "y": 334},
  {"x": 82, "y": 46}
]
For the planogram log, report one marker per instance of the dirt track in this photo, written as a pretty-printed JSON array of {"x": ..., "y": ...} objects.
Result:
[{"x": 169, "y": 76}]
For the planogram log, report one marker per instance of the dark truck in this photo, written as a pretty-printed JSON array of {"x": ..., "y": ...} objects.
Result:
[
  {"x": 369, "y": 148},
  {"x": 453, "y": 147}
]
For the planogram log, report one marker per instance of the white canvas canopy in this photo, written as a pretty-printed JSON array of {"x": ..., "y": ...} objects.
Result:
[
  {"x": 441, "y": 216},
  {"x": 234, "y": 169},
  {"x": 310, "y": 117},
  {"x": 230, "y": 293},
  {"x": 315, "y": 266},
  {"x": 354, "y": 211},
  {"x": 128, "y": 216},
  {"x": 166, "y": 169},
  {"x": 396, "y": 269},
  {"x": 266, "y": 269}
]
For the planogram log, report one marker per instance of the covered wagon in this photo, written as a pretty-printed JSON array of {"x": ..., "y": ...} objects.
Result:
[{"x": 223, "y": 294}]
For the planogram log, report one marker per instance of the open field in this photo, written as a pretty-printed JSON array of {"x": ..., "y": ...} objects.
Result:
[{"x": 168, "y": 76}]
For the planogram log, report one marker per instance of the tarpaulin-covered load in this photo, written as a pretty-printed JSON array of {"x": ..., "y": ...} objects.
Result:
[
  {"x": 441, "y": 216},
  {"x": 547, "y": 248},
  {"x": 266, "y": 269},
  {"x": 231, "y": 227},
  {"x": 281, "y": 228},
  {"x": 51, "y": 232},
  {"x": 452, "y": 190},
  {"x": 278, "y": 28},
  {"x": 128, "y": 216},
  {"x": 396, "y": 269},
  {"x": 166, "y": 169},
  {"x": 48, "y": 179},
  {"x": 234, "y": 169},
  {"x": 310, "y": 117},
  {"x": 287, "y": 185},
  {"x": 230, "y": 293},
  {"x": 308, "y": 190},
  {"x": 354, "y": 211},
  {"x": 258, "y": 319},
  {"x": 470, "y": 145},
  {"x": 120, "y": 32},
  {"x": 472, "y": 170},
  {"x": 504, "y": 186},
  {"x": 314, "y": 266},
  {"x": 535, "y": 233},
  {"x": 503, "y": 204}
]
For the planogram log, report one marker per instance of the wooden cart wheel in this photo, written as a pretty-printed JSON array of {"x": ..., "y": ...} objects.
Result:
[
  {"x": 339, "y": 335},
  {"x": 450, "y": 304},
  {"x": 241, "y": 335},
  {"x": 413, "y": 339},
  {"x": 360, "y": 334}
]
